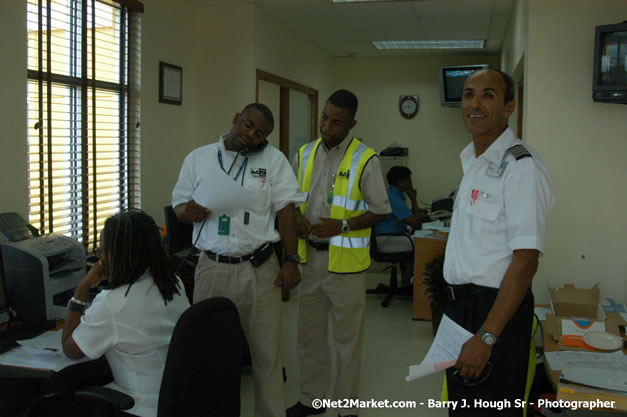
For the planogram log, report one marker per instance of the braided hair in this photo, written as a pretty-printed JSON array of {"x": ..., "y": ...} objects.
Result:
[{"x": 132, "y": 245}]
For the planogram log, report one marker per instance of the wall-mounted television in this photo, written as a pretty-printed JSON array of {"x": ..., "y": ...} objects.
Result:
[
  {"x": 610, "y": 64},
  {"x": 452, "y": 83}
]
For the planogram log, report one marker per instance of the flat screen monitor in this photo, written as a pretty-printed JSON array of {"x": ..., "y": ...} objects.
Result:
[
  {"x": 610, "y": 64},
  {"x": 452, "y": 80}
]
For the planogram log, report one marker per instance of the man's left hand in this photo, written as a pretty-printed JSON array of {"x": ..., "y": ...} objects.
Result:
[
  {"x": 473, "y": 358},
  {"x": 289, "y": 276},
  {"x": 327, "y": 227}
]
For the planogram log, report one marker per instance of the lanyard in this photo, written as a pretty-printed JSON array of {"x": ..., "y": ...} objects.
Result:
[{"x": 239, "y": 171}]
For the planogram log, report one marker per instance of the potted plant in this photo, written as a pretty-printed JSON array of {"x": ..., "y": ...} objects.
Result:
[{"x": 437, "y": 289}]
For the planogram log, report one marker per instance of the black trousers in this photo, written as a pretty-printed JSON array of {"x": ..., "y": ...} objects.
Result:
[{"x": 502, "y": 393}]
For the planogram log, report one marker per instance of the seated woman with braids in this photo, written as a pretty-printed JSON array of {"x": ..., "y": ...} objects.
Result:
[{"x": 131, "y": 322}]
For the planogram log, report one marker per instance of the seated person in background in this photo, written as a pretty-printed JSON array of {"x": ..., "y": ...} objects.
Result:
[
  {"x": 131, "y": 323},
  {"x": 399, "y": 180}
]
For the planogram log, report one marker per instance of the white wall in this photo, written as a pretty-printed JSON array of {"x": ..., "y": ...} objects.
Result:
[
  {"x": 435, "y": 137},
  {"x": 168, "y": 132},
  {"x": 13, "y": 175},
  {"x": 584, "y": 143}
]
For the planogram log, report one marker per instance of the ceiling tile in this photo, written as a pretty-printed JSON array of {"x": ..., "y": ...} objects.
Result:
[
  {"x": 454, "y": 22},
  {"x": 499, "y": 21},
  {"x": 449, "y": 7},
  {"x": 503, "y": 6},
  {"x": 375, "y": 10}
]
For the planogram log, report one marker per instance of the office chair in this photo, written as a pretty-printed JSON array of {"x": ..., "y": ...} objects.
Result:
[
  {"x": 178, "y": 243},
  {"x": 202, "y": 370},
  {"x": 387, "y": 254}
]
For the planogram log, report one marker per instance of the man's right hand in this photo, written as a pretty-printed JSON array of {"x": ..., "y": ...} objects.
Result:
[{"x": 191, "y": 212}]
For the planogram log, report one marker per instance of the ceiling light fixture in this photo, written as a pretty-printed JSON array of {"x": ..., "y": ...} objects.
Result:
[{"x": 435, "y": 44}]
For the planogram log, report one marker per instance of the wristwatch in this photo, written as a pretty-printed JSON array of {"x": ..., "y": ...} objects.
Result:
[
  {"x": 345, "y": 227},
  {"x": 294, "y": 257},
  {"x": 487, "y": 337},
  {"x": 77, "y": 305}
]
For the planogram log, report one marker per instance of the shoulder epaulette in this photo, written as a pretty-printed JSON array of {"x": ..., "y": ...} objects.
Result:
[{"x": 519, "y": 152}]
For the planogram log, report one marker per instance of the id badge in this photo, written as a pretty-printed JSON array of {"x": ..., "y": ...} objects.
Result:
[
  {"x": 224, "y": 225},
  {"x": 329, "y": 195}
]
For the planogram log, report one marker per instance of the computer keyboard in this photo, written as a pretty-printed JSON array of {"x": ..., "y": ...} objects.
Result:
[{"x": 7, "y": 343}]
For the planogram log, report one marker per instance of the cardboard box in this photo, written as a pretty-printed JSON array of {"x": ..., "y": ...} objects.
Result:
[{"x": 569, "y": 301}]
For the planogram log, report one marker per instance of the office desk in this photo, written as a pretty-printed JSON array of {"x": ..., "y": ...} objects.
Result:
[
  {"x": 551, "y": 345},
  {"x": 21, "y": 385},
  {"x": 425, "y": 249}
]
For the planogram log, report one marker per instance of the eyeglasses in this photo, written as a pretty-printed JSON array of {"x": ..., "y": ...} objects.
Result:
[{"x": 484, "y": 375}]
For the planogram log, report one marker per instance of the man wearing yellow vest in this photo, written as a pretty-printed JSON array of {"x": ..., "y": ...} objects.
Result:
[{"x": 345, "y": 196}]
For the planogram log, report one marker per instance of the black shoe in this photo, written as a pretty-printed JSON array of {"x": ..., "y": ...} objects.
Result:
[{"x": 301, "y": 410}]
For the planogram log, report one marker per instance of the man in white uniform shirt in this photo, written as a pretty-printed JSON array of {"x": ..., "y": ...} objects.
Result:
[
  {"x": 497, "y": 235},
  {"x": 236, "y": 259}
]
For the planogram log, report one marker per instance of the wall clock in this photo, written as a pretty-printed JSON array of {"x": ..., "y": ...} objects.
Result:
[{"x": 408, "y": 106}]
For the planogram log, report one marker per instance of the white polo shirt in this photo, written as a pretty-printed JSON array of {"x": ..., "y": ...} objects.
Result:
[
  {"x": 133, "y": 331},
  {"x": 502, "y": 204},
  {"x": 267, "y": 176}
]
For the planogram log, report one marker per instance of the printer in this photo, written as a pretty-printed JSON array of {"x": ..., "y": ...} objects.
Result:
[{"x": 41, "y": 272}]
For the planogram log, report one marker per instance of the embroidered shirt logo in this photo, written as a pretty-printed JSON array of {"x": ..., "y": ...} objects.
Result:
[{"x": 258, "y": 173}]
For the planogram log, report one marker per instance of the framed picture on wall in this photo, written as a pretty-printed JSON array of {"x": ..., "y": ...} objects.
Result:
[{"x": 170, "y": 84}]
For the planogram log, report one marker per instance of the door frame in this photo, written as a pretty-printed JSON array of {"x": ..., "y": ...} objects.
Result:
[{"x": 284, "y": 106}]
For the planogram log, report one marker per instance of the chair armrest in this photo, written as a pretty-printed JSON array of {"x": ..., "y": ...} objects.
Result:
[{"x": 105, "y": 396}]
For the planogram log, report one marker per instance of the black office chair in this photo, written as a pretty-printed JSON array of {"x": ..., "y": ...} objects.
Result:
[
  {"x": 203, "y": 368},
  {"x": 395, "y": 258},
  {"x": 178, "y": 243}
]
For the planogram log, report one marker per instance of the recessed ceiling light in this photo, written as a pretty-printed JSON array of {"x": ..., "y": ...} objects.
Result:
[{"x": 436, "y": 44}]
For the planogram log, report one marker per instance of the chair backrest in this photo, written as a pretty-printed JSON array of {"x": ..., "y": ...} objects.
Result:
[
  {"x": 391, "y": 247},
  {"x": 203, "y": 368},
  {"x": 178, "y": 235}
]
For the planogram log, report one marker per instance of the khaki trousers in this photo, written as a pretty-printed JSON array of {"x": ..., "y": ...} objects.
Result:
[
  {"x": 344, "y": 295},
  {"x": 259, "y": 308}
]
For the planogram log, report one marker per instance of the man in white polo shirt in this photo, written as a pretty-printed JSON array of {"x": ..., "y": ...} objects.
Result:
[
  {"x": 497, "y": 235},
  {"x": 236, "y": 243}
]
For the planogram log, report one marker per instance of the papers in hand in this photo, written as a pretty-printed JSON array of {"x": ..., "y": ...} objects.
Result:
[
  {"x": 444, "y": 350},
  {"x": 220, "y": 194}
]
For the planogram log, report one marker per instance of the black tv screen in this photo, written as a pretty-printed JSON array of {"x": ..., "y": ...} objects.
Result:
[
  {"x": 610, "y": 63},
  {"x": 452, "y": 80}
]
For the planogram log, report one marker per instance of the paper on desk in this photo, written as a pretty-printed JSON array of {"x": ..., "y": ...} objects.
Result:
[
  {"x": 47, "y": 344},
  {"x": 220, "y": 194},
  {"x": 600, "y": 360},
  {"x": 54, "y": 361},
  {"x": 444, "y": 350},
  {"x": 601, "y": 378}
]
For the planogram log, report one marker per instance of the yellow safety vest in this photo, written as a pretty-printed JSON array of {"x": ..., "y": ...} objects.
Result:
[{"x": 348, "y": 252}]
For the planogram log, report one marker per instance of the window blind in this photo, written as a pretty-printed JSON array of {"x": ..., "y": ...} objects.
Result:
[{"x": 83, "y": 130}]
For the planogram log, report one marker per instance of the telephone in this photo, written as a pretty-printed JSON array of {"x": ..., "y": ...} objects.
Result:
[
  {"x": 13, "y": 228},
  {"x": 254, "y": 149}
]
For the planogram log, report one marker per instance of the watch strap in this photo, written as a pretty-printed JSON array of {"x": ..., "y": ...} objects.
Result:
[
  {"x": 77, "y": 305},
  {"x": 487, "y": 337}
]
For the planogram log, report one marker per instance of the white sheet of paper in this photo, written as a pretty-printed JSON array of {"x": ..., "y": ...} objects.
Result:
[
  {"x": 600, "y": 360},
  {"x": 42, "y": 359},
  {"x": 220, "y": 193},
  {"x": 602, "y": 378},
  {"x": 444, "y": 350}
]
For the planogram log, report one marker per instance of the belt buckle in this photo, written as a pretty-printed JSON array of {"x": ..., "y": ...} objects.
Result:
[{"x": 452, "y": 291}]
